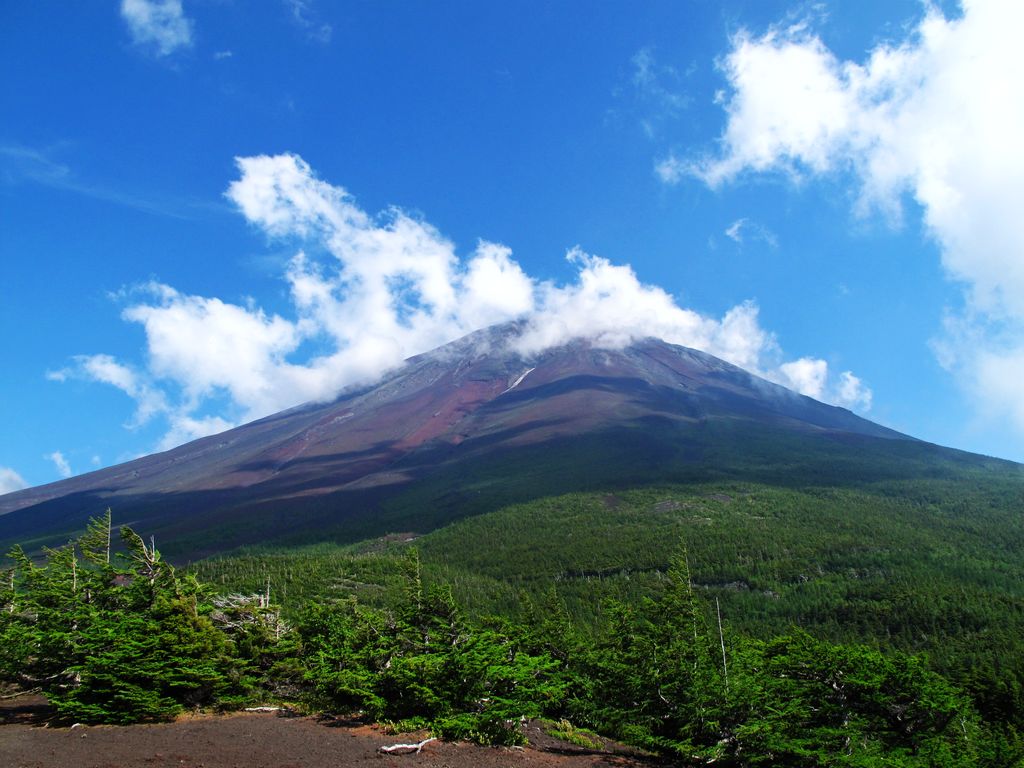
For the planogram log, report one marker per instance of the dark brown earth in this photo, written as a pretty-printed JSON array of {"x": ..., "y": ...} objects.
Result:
[{"x": 262, "y": 740}]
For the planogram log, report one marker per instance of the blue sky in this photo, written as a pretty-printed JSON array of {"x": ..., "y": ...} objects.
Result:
[{"x": 824, "y": 193}]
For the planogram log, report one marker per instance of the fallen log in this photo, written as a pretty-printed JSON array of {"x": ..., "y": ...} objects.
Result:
[
  {"x": 405, "y": 749},
  {"x": 21, "y": 693}
]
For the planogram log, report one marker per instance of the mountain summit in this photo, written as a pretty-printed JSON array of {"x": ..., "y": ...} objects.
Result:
[{"x": 455, "y": 431}]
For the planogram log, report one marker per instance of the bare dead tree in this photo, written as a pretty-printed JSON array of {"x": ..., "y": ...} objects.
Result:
[
  {"x": 236, "y": 612},
  {"x": 8, "y": 605},
  {"x": 96, "y": 542},
  {"x": 721, "y": 638}
]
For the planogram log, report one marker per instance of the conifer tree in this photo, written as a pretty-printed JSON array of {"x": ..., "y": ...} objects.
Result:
[{"x": 108, "y": 642}]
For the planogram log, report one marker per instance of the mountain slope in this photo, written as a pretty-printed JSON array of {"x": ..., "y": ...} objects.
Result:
[{"x": 468, "y": 427}]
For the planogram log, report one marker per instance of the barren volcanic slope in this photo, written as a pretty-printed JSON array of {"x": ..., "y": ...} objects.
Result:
[{"x": 462, "y": 429}]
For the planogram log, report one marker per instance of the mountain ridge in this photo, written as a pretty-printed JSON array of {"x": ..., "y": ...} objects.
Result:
[
  {"x": 479, "y": 342},
  {"x": 469, "y": 404}
]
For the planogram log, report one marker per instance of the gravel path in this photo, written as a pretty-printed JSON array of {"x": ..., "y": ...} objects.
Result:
[{"x": 258, "y": 740}]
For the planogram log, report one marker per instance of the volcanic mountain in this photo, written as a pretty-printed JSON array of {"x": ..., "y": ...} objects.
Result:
[{"x": 465, "y": 428}]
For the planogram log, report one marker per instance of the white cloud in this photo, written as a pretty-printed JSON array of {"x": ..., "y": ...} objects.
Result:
[
  {"x": 494, "y": 286},
  {"x": 810, "y": 376},
  {"x": 184, "y": 428},
  {"x": 744, "y": 229},
  {"x": 10, "y": 481},
  {"x": 388, "y": 287},
  {"x": 206, "y": 344},
  {"x": 158, "y": 25},
  {"x": 735, "y": 230},
  {"x": 789, "y": 104},
  {"x": 63, "y": 468},
  {"x": 806, "y": 375},
  {"x": 852, "y": 393},
  {"x": 671, "y": 170},
  {"x": 989, "y": 360},
  {"x": 937, "y": 117},
  {"x": 150, "y": 400},
  {"x": 609, "y": 305}
]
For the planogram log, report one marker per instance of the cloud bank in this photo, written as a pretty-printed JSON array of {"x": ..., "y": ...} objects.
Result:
[
  {"x": 366, "y": 292},
  {"x": 935, "y": 118},
  {"x": 157, "y": 25}
]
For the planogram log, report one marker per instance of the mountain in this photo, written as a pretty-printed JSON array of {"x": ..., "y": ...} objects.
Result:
[{"x": 469, "y": 427}]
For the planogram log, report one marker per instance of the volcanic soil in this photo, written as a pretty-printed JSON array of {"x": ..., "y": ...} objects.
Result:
[{"x": 264, "y": 740}]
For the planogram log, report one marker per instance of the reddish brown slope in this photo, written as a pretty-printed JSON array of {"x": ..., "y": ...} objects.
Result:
[{"x": 467, "y": 399}]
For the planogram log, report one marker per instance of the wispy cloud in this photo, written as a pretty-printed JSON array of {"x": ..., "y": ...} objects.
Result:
[
  {"x": 10, "y": 481},
  {"x": 671, "y": 169},
  {"x": 744, "y": 230},
  {"x": 24, "y": 163},
  {"x": 657, "y": 91},
  {"x": 158, "y": 26},
  {"x": 735, "y": 230},
  {"x": 104, "y": 368},
  {"x": 20, "y": 164},
  {"x": 936, "y": 117},
  {"x": 658, "y": 82},
  {"x": 388, "y": 286},
  {"x": 304, "y": 15},
  {"x": 63, "y": 468}
]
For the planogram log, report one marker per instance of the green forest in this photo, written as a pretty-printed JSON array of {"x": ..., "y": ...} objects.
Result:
[
  {"x": 653, "y": 637},
  {"x": 930, "y": 566}
]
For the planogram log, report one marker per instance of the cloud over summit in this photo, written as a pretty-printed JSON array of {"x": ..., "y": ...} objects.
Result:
[{"x": 372, "y": 290}]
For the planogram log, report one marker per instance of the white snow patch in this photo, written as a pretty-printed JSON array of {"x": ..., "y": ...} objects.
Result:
[{"x": 519, "y": 381}]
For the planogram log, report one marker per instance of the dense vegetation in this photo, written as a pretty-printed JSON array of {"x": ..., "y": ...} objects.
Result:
[
  {"x": 110, "y": 643},
  {"x": 123, "y": 636},
  {"x": 934, "y": 566}
]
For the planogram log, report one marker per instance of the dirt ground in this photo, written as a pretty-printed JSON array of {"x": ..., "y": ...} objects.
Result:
[{"x": 262, "y": 740}]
